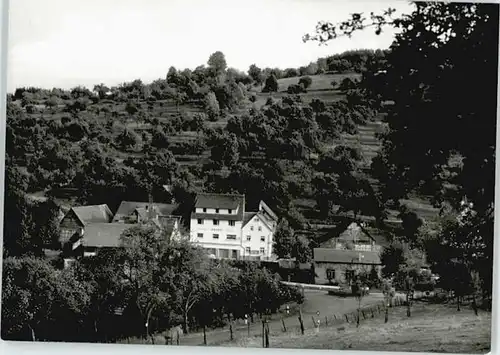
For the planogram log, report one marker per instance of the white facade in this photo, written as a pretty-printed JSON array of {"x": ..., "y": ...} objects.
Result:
[
  {"x": 223, "y": 236},
  {"x": 228, "y": 232},
  {"x": 257, "y": 238}
]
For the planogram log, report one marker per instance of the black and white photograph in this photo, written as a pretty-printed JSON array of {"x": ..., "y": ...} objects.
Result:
[{"x": 250, "y": 174}]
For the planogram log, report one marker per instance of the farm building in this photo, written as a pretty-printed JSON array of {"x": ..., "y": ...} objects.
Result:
[
  {"x": 87, "y": 229},
  {"x": 341, "y": 257}
]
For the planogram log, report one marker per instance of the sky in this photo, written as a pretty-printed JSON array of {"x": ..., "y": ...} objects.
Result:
[{"x": 65, "y": 43}]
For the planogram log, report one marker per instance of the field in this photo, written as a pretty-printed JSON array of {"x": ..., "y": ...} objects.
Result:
[{"x": 432, "y": 328}]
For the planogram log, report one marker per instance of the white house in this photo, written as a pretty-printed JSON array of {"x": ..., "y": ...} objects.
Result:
[{"x": 219, "y": 223}]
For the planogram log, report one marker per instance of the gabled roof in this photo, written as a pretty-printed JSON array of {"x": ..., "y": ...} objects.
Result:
[
  {"x": 268, "y": 210},
  {"x": 328, "y": 255},
  {"x": 222, "y": 201},
  {"x": 93, "y": 214},
  {"x": 104, "y": 234},
  {"x": 128, "y": 207},
  {"x": 250, "y": 215},
  {"x": 247, "y": 217}
]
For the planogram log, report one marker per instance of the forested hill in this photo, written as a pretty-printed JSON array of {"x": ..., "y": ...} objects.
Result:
[{"x": 271, "y": 134}]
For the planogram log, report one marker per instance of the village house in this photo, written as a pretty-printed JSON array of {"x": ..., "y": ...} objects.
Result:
[
  {"x": 137, "y": 212},
  {"x": 87, "y": 229},
  {"x": 220, "y": 224},
  {"x": 339, "y": 258}
]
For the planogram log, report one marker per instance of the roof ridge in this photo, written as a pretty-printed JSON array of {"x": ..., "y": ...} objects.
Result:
[{"x": 219, "y": 194}]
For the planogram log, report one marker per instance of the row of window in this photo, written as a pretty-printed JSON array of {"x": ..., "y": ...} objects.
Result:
[
  {"x": 216, "y": 222},
  {"x": 262, "y": 238},
  {"x": 261, "y": 251},
  {"x": 216, "y": 236},
  {"x": 229, "y": 211},
  {"x": 233, "y": 237},
  {"x": 349, "y": 274}
]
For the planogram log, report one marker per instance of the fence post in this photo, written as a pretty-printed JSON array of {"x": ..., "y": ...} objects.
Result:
[
  {"x": 178, "y": 340},
  {"x": 346, "y": 318},
  {"x": 263, "y": 334},
  {"x": 326, "y": 320},
  {"x": 267, "y": 334},
  {"x": 204, "y": 335},
  {"x": 248, "y": 328},
  {"x": 231, "y": 331},
  {"x": 283, "y": 322},
  {"x": 373, "y": 315},
  {"x": 314, "y": 321},
  {"x": 301, "y": 321}
]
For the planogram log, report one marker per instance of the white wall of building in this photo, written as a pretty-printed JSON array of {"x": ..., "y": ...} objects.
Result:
[
  {"x": 222, "y": 236},
  {"x": 257, "y": 238}
]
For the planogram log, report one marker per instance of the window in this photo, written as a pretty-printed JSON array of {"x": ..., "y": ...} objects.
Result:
[
  {"x": 263, "y": 239},
  {"x": 229, "y": 211},
  {"x": 232, "y": 223},
  {"x": 216, "y": 236},
  {"x": 251, "y": 228},
  {"x": 247, "y": 250},
  {"x": 200, "y": 221},
  {"x": 260, "y": 229},
  {"x": 249, "y": 238},
  {"x": 204, "y": 210},
  {"x": 200, "y": 235},
  {"x": 231, "y": 236},
  {"x": 349, "y": 275},
  {"x": 216, "y": 210},
  {"x": 330, "y": 274},
  {"x": 262, "y": 251},
  {"x": 216, "y": 222}
]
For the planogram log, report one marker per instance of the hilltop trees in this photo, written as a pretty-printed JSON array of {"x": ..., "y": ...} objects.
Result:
[
  {"x": 438, "y": 41},
  {"x": 255, "y": 73},
  {"x": 217, "y": 62}
]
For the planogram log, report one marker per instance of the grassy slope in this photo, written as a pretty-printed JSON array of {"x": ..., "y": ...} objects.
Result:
[{"x": 432, "y": 328}]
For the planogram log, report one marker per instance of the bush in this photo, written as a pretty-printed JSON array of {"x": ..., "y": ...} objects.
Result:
[
  {"x": 305, "y": 81},
  {"x": 295, "y": 89}
]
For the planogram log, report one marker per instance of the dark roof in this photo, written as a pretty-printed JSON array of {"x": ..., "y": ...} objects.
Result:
[
  {"x": 205, "y": 200},
  {"x": 104, "y": 234},
  {"x": 247, "y": 217},
  {"x": 268, "y": 210},
  {"x": 128, "y": 207},
  {"x": 328, "y": 255},
  {"x": 93, "y": 214}
]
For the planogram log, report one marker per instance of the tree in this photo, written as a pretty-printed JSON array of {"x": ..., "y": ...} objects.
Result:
[
  {"x": 255, "y": 73},
  {"x": 217, "y": 62},
  {"x": 389, "y": 292},
  {"x": 284, "y": 240},
  {"x": 305, "y": 81},
  {"x": 143, "y": 250},
  {"x": 38, "y": 300},
  {"x": 271, "y": 84},
  {"x": 127, "y": 139},
  {"x": 226, "y": 150},
  {"x": 212, "y": 106},
  {"x": 359, "y": 290},
  {"x": 131, "y": 107},
  {"x": 101, "y": 90},
  {"x": 438, "y": 43}
]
